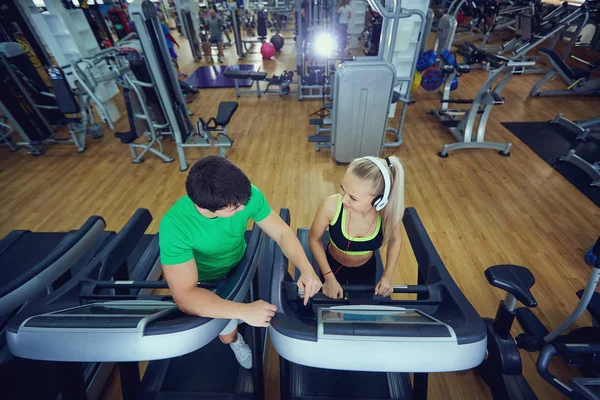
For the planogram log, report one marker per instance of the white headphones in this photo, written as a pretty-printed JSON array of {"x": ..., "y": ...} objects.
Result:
[{"x": 381, "y": 200}]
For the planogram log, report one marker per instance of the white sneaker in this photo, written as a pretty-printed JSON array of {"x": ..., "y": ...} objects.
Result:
[{"x": 242, "y": 352}]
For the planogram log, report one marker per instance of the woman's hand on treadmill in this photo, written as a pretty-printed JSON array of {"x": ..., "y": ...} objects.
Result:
[
  {"x": 258, "y": 313},
  {"x": 384, "y": 287},
  {"x": 332, "y": 288}
]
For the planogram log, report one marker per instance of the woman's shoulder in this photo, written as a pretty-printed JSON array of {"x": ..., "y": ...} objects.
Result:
[
  {"x": 330, "y": 205},
  {"x": 333, "y": 199}
]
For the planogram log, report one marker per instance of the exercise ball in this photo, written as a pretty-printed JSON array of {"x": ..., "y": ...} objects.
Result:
[
  {"x": 267, "y": 50},
  {"x": 416, "y": 83},
  {"x": 277, "y": 41}
]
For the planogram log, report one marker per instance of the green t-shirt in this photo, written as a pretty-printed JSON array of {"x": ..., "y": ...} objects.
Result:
[{"x": 217, "y": 244}]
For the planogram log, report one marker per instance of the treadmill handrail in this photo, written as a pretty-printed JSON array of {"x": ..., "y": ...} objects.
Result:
[
  {"x": 371, "y": 288},
  {"x": 473, "y": 329},
  {"x": 11, "y": 238},
  {"x": 65, "y": 246},
  {"x": 117, "y": 252},
  {"x": 146, "y": 285}
]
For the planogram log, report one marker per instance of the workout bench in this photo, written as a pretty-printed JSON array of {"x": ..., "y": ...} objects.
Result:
[
  {"x": 255, "y": 76},
  {"x": 206, "y": 129},
  {"x": 282, "y": 81}
]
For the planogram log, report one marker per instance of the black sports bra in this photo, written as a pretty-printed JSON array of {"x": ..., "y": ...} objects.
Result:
[{"x": 339, "y": 237}]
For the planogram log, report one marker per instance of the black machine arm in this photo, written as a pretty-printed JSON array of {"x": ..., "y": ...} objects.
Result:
[
  {"x": 206, "y": 124},
  {"x": 474, "y": 55}
]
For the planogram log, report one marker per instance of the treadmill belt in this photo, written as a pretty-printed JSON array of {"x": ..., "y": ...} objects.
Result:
[
  {"x": 326, "y": 383},
  {"x": 211, "y": 369},
  {"x": 29, "y": 250},
  {"x": 18, "y": 375}
]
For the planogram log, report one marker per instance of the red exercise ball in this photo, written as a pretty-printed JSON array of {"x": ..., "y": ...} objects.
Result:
[{"x": 267, "y": 50}]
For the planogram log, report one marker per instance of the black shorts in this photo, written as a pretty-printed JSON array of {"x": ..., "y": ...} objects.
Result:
[
  {"x": 366, "y": 274},
  {"x": 216, "y": 39}
]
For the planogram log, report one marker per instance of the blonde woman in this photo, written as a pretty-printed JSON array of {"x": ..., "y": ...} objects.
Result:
[{"x": 363, "y": 217}]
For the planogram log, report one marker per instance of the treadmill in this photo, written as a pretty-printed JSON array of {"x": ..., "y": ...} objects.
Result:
[
  {"x": 137, "y": 261},
  {"x": 32, "y": 264},
  {"x": 365, "y": 346},
  {"x": 99, "y": 320}
]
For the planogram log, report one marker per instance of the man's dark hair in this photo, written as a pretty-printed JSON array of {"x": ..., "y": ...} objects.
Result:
[{"x": 215, "y": 182}]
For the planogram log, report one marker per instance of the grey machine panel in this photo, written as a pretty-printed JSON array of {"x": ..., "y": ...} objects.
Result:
[
  {"x": 362, "y": 97},
  {"x": 445, "y": 33}
]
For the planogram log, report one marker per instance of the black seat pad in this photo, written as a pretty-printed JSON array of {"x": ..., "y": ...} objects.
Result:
[
  {"x": 257, "y": 76},
  {"x": 515, "y": 280},
  {"x": 579, "y": 73},
  {"x": 126, "y": 137},
  {"x": 236, "y": 74},
  {"x": 562, "y": 65},
  {"x": 226, "y": 111}
]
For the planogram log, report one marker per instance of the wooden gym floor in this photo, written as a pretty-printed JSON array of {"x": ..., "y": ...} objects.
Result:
[{"x": 479, "y": 208}]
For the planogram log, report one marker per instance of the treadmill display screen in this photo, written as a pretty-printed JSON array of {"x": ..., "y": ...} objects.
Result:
[
  {"x": 95, "y": 309},
  {"x": 380, "y": 323},
  {"x": 378, "y": 317}
]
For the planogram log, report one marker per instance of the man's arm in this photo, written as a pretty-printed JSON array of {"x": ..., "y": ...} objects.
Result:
[
  {"x": 283, "y": 235},
  {"x": 182, "y": 279}
]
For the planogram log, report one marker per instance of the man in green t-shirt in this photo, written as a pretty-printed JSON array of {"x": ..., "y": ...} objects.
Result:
[{"x": 202, "y": 238}]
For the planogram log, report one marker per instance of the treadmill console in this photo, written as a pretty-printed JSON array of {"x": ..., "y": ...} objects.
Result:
[
  {"x": 113, "y": 315},
  {"x": 370, "y": 323}
]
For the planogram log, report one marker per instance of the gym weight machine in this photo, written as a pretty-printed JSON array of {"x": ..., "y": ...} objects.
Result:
[
  {"x": 315, "y": 45},
  {"x": 583, "y": 130},
  {"x": 536, "y": 27},
  {"x": 501, "y": 71},
  {"x": 164, "y": 79},
  {"x": 366, "y": 91},
  {"x": 146, "y": 117},
  {"x": 31, "y": 110}
]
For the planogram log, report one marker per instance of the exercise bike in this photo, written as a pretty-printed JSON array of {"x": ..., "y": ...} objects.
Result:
[{"x": 502, "y": 367}]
